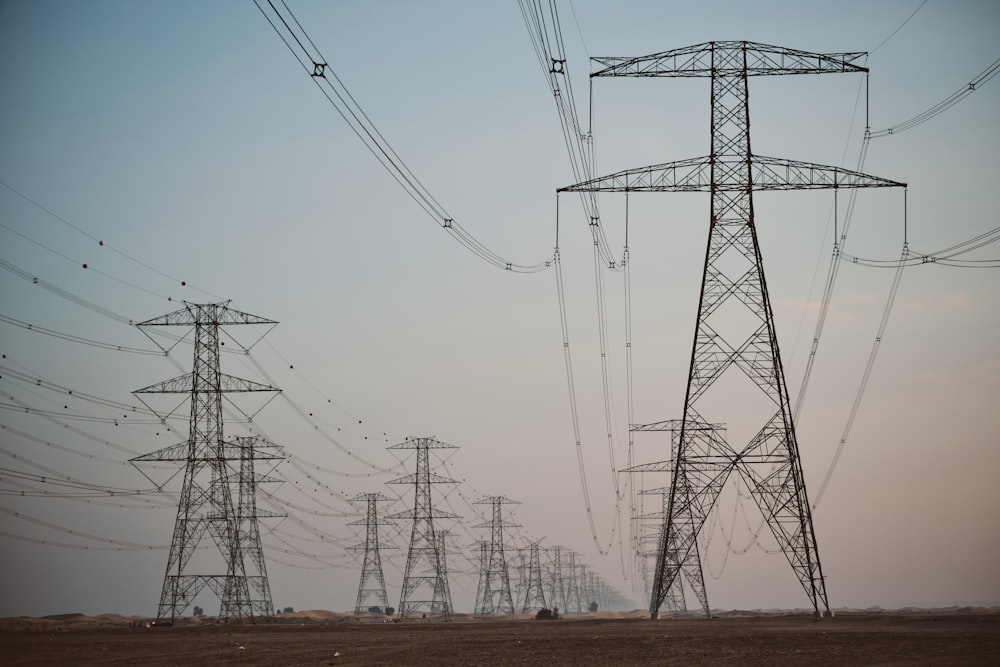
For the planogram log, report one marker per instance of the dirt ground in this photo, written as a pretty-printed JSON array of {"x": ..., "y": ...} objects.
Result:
[{"x": 971, "y": 638}]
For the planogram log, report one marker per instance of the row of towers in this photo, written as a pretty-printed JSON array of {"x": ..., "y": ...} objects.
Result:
[
  {"x": 425, "y": 588},
  {"x": 216, "y": 538},
  {"x": 735, "y": 360}
]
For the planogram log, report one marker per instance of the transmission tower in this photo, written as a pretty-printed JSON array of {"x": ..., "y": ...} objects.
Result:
[
  {"x": 425, "y": 585},
  {"x": 442, "y": 590},
  {"x": 735, "y": 339},
  {"x": 557, "y": 587},
  {"x": 689, "y": 564},
  {"x": 372, "y": 584},
  {"x": 586, "y": 593},
  {"x": 573, "y": 588},
  {"x": 494, "y": 595},
  {"x": 675, "y": 599},
  {"x": 522, "y": 578},
  {"x": 218, "y": 494},
  {"x": 534, "y": 595},
  {"x": 483, "y": 591},
  {"x": 247, "y": 534}
]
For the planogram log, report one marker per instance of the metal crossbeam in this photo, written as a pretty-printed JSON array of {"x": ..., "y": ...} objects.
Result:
[
  {"x": 766, "y": 173},
  {"x": 699, "y": 60}
]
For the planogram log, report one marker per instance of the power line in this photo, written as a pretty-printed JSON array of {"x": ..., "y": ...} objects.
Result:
[
  {"x": 78, "y": 533},
  {"x": 99, "y": 241},
  {"x": 972, "y": 86},
  {"x": 78, "y": 339},
  {"x": 347, "y": 106},
  {"x": 84, "y": 265},
  {"x": 899, "y": 27}
]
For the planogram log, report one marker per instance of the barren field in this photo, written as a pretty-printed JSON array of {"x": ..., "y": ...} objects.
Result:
[{"x": 324, "y": 638}]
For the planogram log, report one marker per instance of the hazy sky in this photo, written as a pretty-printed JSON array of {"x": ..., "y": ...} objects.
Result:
[{"x": 187, "y": 139}]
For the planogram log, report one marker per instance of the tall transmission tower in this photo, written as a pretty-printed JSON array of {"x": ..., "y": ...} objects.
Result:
[
  {"x": 372, "y": 584},
  {"x": 424, "y": 579},
  {"x": 735, "y": 358},
  {"x": 494, "y": 594},
  {"x": 534, "y": 595},
  {"x": 218, "y": 494}
]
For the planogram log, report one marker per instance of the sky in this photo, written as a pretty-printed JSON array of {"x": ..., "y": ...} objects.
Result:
[{"x": 180, "y": 152}]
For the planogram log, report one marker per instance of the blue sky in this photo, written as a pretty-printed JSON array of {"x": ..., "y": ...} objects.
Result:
[{"x": 185, "y": 137}]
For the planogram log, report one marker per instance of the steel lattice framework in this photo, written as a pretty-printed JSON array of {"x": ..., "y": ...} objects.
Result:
[
  {"x": 442, "y": 605},
  {"x": 372, "y": 584},
  {"x": 218, "y": 497},
  {"x": 482, "y": 587},
  {"x": 534, "y": 594},
  {"x": 689, "y": 565},
  {"x": 557, "y": 587},
  {"x": 425, "y": 585},
  {"x": 494, "y": 596},
  {"x": 573, "y": 604},
  {"x": 734, "y": 333}
]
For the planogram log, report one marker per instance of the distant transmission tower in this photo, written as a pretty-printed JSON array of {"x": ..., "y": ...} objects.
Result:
[
  {"x": 442, "y": 590},
  {"x": 534, "y": 596},
  {"x": 247, "y": 532},
  {"x": 675, "y": 599},
  {"x": 584, "y": 583},
  {"x": 557, "y": 587},
  {"x": 522, "y": 578},
  {"x": 494, "y": 594},
  {"x": 425, "y": 586},
  {"x": 218, "y": 495},
  {"x": 688, "y": 565},
  {"x": 482, "y": 588},
  {"x": 735, "y": 359},
  {"x": 372, "y": 584},
  {"x": 573, "y": 604}
]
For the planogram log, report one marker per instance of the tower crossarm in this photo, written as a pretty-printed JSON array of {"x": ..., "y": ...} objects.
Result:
[
  {"x": 502, "y": 524},
  {"x": 185, "y": 383},
  {"x": 697, "y": 61},
  {"x": 422, "y": 443},
  {"x": 658, "y": 466},
  {"x": 431, "y": 477},
  {"x": 423, "y": 514},
  {"x": 766, "y": 173},
  {"x": 205, "y": 314},
  {"x": 666, "y": 425}
]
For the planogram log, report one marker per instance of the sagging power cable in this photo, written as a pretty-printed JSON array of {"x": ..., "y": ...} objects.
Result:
[{"x": 284, "y": 23}]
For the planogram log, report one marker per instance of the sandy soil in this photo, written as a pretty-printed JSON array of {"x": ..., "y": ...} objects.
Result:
[{"x": 967, "y": 637}]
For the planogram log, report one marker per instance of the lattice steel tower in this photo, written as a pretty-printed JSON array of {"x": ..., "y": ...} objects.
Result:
[
  {"x": 557, "y": 587},
  {"x": 423, "y": 588},
  {"x": 482, "y": 588},
  {"x": 372, "y": 584},
  {"x": 442, "y": 605},
  {"x": 573, "y": 604},
  {"x": 218, "y": 494},
  {"x": 494, "y": 592},
  {"x": 735, "y": 358},
  {"x": 687, "y": 565},
  {"x": 534, "y": 595}
]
